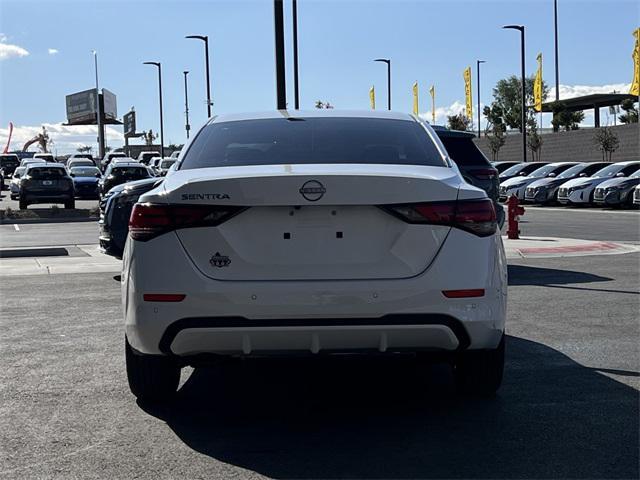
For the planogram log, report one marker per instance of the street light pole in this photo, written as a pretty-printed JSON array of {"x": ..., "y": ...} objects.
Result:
[
  {"x": 555, "y": 22},
  {"x": 478, "y": 62},
  {"x": 296, "y": 92},
  {"x": 388, "y": 62},
  {"x": 187, "y": 127},
  {"x": 98, "y": 110},
  {"x": 281, "y": 88},
  {"x": 159, "y": 65},
  {"x": 205, "y": 39},
  {"x": 520, "y": 28}
]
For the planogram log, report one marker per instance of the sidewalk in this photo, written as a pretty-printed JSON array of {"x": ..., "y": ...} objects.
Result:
[{"x": 89, "y": 259}]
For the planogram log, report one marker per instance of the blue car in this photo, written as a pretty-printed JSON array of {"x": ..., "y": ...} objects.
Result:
[{"x": 85, "y": 181}]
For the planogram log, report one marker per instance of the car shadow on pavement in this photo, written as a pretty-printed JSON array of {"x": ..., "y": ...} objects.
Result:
[
  {"x": 387, "y": 417},
  {"x": 520, "y": 275}
]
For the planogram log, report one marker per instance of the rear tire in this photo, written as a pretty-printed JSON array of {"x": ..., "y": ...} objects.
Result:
[
  {"x": 151, "y": 378},
  {"x": 22, "y": 203},
  {"x": 70, "y": 205},
  {"x": 480, "y": 372}
]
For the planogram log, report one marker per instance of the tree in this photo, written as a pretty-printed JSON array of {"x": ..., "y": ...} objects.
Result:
[
  {"x": 630, "y": 114},
  {"x": 507, "y": 97},
  {"x": 565, "y": 119},
  {"x": 84, "y": 149},
  {"x": 321, "y": 104},
  {"x": 607, "y": 142},
  {"x": 459, "y": 122},
  {"x": 534, "y": 140},
  {"x": 495, "y": 130}
]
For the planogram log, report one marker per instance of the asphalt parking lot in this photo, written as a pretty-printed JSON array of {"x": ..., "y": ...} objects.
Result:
[{"x": 568, "y": 406}]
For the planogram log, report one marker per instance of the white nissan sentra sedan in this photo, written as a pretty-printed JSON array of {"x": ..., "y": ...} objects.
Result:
[{"x": 313, "y": 233}]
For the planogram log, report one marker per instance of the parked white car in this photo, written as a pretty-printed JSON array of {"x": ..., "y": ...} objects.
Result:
[
  {"x": 14, "y": 184},
  {"x": 26, "y": 161},
  {"x": 636, "y": 195},
  {"x": 580, "y": 190},
  {"x": 518, "y": 185},
  {"x": 313, "y": 232}
]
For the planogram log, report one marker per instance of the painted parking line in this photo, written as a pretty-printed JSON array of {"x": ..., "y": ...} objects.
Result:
[
  {"x": 533, "y": 208},
  {"x": 17, "y": 228}
]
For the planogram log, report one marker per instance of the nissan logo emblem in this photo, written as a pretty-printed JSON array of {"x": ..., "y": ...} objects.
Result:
[{"x": 312, "y": 190}]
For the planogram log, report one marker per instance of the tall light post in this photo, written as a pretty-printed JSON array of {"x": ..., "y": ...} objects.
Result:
[
  {"x": 98, "y": 109},
  {"x": 520, "y": 28},
  {"x": 157, "y": 64},
  {"x": 555, "y": 24},
  {"x": 187, "y": 127},
  {"x": 205, "y": 39},
  {"x": 478, "y": 62},
  {"x": 278, "y": 28},
  {"x": 296, "y": 90},
  {"x": 388, "y": 62}
]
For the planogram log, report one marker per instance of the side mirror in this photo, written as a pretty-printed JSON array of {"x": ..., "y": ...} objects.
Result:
[
  {"x": 522, "y": 174},
  {"x": 582, "y": 175},
  {"x": 551, "y": 175},
  {"x": 72, "y": 174},
  {"x": 98, "y": 175},
  {"x": 620, "y": 174}
]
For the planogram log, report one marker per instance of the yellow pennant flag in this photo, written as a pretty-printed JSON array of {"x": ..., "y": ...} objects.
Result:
[
  {"x": 415, "y": 99},
  {"x": 432, "y": 91},
  {"x": 372, "y": 97},
  {"x": 635, "y": 85},
  {"x": 537, "y": 86},
  {"x": 467, "y": 92}
]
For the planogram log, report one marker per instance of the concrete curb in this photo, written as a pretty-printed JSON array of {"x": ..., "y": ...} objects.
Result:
[
  {"x": 24, "y": 221},
  {"x": 550, "y": 247}
]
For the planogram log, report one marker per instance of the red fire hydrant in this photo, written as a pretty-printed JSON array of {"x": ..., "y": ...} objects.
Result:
[{"x": 514, "y": 210}]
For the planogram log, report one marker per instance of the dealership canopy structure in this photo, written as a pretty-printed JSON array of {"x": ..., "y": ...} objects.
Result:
[{"x": 587, "y": 102}]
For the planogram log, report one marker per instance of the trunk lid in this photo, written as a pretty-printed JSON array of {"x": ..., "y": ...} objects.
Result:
[{"x": 311, "y": 222}]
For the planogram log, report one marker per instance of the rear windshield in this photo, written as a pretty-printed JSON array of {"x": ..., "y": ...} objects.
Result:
[
  {"x": 614, "y": 169},
  {"x": 9, "y": 160},
  {"x": 312, "y": 140},
  {"x": 48, "y": 158},
  {"x": 84, "y": 171},
  {"x": 463, "y": 151},
  {"x": 167, "y": 163},
  {"x": 83, "y": 155},
  {"x": 82, "y": 162},
  {"x": 130, "y": 172},
  {"x": 46, "y": 173}
]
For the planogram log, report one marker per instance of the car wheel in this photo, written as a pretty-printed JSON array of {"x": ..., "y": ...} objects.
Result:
[
  {"x": 151, "y": 378},
  {"x": 70, "y": 204},
  {"x": 480, "y": 372},
  {"x": 23, "y": 204}
]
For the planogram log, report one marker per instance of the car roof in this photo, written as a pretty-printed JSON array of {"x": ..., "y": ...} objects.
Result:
[
  {"x": 442, "y": 131},
  {"x": 45, "y": 165},
  {"x": 128, "y": 164},
  {"x": 318, "y": 113}
]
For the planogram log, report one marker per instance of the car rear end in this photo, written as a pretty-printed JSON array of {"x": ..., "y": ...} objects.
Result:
[
  {"x": 46, "y": 184},
  {"x": 8, "y": 164},
  {"x": 474, "y": 166},
  {"x": 375, "y": 252}
]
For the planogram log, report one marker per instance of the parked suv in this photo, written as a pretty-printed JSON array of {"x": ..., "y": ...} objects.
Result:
[
  {"x": 118, "y": 173},
  {"x": 474, "y": 166},
  {"x": 46, "y": 183},
  {"x": 313, "y": 233},
  {"x": 8, "y": 163}
]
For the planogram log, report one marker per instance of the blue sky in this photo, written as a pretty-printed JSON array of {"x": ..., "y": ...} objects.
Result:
[{"x": 428, "y": 41}]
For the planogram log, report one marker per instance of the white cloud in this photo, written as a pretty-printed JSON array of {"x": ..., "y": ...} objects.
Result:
[
  {"x": 8, "y": 50},
  {"x": 443, "y": 112},
  {"x": 571, "y": 91},
  {"x": 65, "y": 139},
  {"x": 52, "y": 51}
]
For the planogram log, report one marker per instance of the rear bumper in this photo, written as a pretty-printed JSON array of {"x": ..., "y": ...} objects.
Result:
[
  {"x": 46, "y": 197},
  {"x": 271, "y": 317},
  {"x": 236, "y": 335}
]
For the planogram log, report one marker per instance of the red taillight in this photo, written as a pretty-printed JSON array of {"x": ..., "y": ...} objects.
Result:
[
  {"x": 163, "y": 297},
  {"x": 483, "y": 173},
  {"x": 475, "y": 292},
  {"x": 148, "y": 220},
  {"x": 475, "y": 216}
]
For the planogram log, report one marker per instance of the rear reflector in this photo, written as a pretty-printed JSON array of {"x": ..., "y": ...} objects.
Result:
[
  {"x": 477, "y": 292},
  {"x": 163, "y": 297},
  {"x": 475, "y": 216},
  {"x": 148, "y": 220}
]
